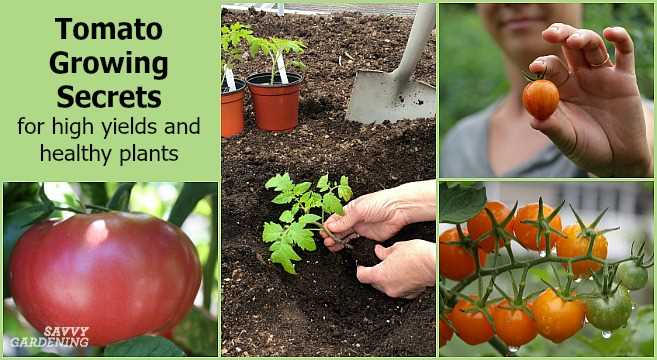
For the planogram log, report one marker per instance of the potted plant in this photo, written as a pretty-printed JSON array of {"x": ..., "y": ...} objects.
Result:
[
  {"x": 275, "y": 94},
  {"x": 232, "y": 89}
]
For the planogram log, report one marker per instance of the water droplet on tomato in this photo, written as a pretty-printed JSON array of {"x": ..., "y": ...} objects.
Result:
[
  {"x": 542, "y": 253},
  {"x": 586, "y": 320},
  {"x": 513, "y": 349},
  {"x": 606, "y": 334},
  {"x": 579, "y": 280}
]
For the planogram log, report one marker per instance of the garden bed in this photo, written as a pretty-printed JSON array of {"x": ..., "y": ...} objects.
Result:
[{"x": 324, "y": 310}]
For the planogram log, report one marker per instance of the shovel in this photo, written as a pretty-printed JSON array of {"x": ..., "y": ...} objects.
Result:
[{"x": 378, "y": 96}]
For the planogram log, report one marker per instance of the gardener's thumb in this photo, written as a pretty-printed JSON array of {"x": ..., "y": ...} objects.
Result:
[
  {"x": 382, "y": 252},
  {"x": 367, "y": 275},
  {"x": 343, "y": 223}
]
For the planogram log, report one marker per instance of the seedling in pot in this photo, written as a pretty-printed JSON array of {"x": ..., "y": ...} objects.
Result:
[
  {"x": 296, "y": 224},
  {"x": 275, "y": 48},
  {"x": 232, "y": 39}
]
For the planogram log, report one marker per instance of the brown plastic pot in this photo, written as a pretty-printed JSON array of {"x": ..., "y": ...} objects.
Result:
[
  {"x": 276, "y": 106},
  {"x": 232, "y": 109}
]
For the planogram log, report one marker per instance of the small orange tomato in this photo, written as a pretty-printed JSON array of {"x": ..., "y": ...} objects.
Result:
[
  {"x": 574, "y": 245},
  {"x": 556, "y": 319},
  {"x": 481, "y": 224},
  {"x": 445, "y": 333},
  {"x": 526, "y": 233},
  {"x": 514, "y": 326},
  {"x": 540, "y": 98},
  {"x": 472, "y": 327},
  {"x": 456, "y": 262}
]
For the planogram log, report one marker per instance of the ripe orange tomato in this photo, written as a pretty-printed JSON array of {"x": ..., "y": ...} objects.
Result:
[
  {"x": 457, "y": 262},
  {"x": 472, "y": 327},
  {"x": 556, "y": 319},
  {"x": 574, "y": 245},
  {"x": 445, "y": 333},
  {"x": 481, "y": 224},
  {"x": 514, "y": 326},
  {"x": 540, "y": 98},
  {"x": 526, "y": 233}
]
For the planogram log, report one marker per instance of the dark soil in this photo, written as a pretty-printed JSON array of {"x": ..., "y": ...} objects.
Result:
[{"x": 324, "y": 310}]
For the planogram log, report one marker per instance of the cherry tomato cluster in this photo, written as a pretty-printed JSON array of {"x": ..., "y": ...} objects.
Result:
[{"x": 556, "y": 312}]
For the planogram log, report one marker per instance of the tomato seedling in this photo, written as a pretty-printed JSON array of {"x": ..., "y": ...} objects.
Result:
[
  {"x": 540, "y": 97},
  {"x": 298, "y": 222},
  {"x": 233, "y": 39},
  {"x": 275, "y": 48}
]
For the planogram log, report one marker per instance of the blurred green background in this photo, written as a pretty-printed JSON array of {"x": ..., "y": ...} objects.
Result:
[{"x": 471, "y": 70}]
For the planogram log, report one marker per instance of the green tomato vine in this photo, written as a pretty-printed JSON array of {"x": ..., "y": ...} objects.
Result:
[{"x": 459, "y": 203}]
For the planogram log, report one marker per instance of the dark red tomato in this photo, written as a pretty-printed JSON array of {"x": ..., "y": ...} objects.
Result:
[
  {"x": 540, "y": 98},
  {"x": 122, "y": 275},
  {"x": 481, "y": 224},
  {"x": 456, "y": 262}
]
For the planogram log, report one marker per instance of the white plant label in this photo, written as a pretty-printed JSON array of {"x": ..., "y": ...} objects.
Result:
[
  {"x": 281, "y": 69},
  {"x": 230, "y": 78}
]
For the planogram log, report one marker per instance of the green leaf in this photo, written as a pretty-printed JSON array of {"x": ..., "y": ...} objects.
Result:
[
  {"x": 198, "y": 332},
  {"x": 283, "y": 198},
  {"x": 190, "y": 194},
  {"x": 309, "y": 218},
  {"x": 302, "y": 237},
  {"x": 272, "y": 232},
  {"x": 331, "y": 204},
  {"x": 323, "y": 183},
  {"x": 458, "y": 204},
  {"x": 301, "y": 188},
  {"x": 315, "y": 200},
  {"x": 283, "y": 254},
  {"x": 286, "y": 216},
  {"x": 150, "y": 346},
  {"x": 344, "y": 191},
  {"x": 280, "y": 182},
  {"x": 121, "y": 198},
  {"x": 344, "y": 181}
]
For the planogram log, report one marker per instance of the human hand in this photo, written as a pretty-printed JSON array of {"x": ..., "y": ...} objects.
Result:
[
  {"x": 374, "y": 216},
  {"x": 380, "y": 215},
  {"x": 406, "y": 269},
  {"x": 600, "y": 122}
]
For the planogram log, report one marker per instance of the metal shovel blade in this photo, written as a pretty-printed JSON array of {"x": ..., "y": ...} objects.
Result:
[{"x": 378, "y": 96}]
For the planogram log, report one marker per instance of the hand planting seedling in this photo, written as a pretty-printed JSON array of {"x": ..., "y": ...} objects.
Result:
[
  {"x": 513, "y": 318},
  {"x": 540, "y": 97},
  {"x": 298, "y": 222},
  {"x": 232, "y": 39},
  {"x": 275, "y": 48}
]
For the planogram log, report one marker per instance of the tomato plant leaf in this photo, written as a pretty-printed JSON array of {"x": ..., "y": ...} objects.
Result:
[
  {"x": 301, "y": 236},
  {"x": 301, "y": 188},
  {"x": 280, "y": 183},
  {"x": 272, "y": 232},
  {"x": 283, "y": 254},
  {"x": 198, "y": 331},
  {"x": 458, "y": 204},
  {"x": 283, "y": 198},
  {"x": 332, "y": 204},
  {"x": 144, "y": 346},
  {"x": 309, "y": 218},
  {"x": 323, "y": 183},
  {"x": 287, "y": 216},
  {"x": 344, "y": 191}
]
